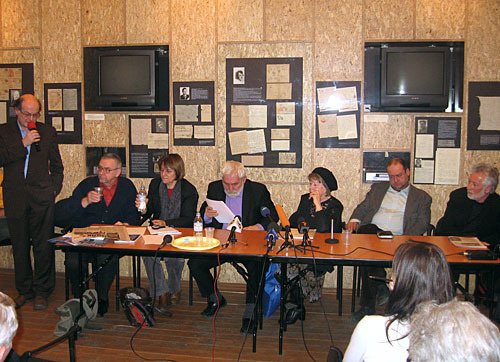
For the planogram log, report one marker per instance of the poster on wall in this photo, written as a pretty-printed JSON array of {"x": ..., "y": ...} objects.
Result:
[
  {"x": 338, "y": 114},
  {"x": 264, "y": 111},
  {"x": 483, "y": 123},
  {"x": 63, "y": 110},
  {"x": 148, "y": 142},
  {"x": 437, "y": 150},
  {"x": 194, "y": 114},
  {"x": 15, "y": 80}
]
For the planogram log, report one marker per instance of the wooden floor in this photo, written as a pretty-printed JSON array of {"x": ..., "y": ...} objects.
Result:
[{"x": 187, "y": 336}]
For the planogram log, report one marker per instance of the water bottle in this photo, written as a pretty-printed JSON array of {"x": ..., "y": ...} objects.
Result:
[
  {"x": 198, "y": 226},
  {"x": 142, "y": 200}
]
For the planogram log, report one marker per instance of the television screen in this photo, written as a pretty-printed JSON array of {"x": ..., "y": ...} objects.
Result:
[
  {"x": 126, "y": 78},
  {"x": 417, "y": 73},
  {"x": 125, "y": 75}
]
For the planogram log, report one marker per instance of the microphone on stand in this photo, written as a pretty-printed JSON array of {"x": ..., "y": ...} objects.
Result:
[
  {"x": 167, "y": 239},
  {"x": 32, "y": 126},
  {"x": 302, "y": 225},
  {"x": 285, "y": 223},
  {"x": 235, "y": 226},
  {"x": 264, "y": 211},
  {"x": 271, "y": 235},
  {"x": 331, "y": 239}
]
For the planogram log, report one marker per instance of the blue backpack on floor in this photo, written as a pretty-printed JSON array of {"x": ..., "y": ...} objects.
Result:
[{"x": 272, "y": 292}]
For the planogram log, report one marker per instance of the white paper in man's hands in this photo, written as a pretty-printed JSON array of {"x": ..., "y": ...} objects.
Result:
[{"x": 225, "y": 215}]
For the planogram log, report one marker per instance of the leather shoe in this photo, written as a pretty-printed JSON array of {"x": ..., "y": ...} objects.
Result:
[
  {"x": 212, "y": 307},
  {"x": 295, "y": 313},
  {"x": 40, "y": 303},
  {"x": 21, "y": 300},
  {"x": 102, "y": 307},
  {"x": 175, "y": 298},
  {"x": 247, "y": 326}
]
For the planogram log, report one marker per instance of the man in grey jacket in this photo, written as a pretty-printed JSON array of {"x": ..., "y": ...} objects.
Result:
[{"x": 394, "y": 206}]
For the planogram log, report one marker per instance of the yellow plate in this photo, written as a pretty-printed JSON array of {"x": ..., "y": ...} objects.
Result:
[{"x": 190, "y": 243}]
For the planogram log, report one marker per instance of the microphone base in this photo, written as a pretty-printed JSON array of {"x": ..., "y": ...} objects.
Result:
[{"x": 331, "y": 241}]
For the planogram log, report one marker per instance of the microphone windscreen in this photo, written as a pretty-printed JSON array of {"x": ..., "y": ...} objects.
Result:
[
  {"x": 167, "y": 239},
  {"x": 283, "y": 218},
  {"x": 31, "y": 125},
  {"x": 264, "y": 211},
  {"x": 273, "y": 226}
]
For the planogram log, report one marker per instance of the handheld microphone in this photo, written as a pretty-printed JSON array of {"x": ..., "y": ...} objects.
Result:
[
  {"x": 167, "y": 239},
  {"x": 234, "y": 226},
  {"x": 380, "y": 279},
  {"x": 285, "y": 223},
  {"x": 32, "y": 126}
]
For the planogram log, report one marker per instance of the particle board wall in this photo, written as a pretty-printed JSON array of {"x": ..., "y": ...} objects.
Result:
[
  {"x": 61, "y": 41},
  {"x": 327, "y": 34}
]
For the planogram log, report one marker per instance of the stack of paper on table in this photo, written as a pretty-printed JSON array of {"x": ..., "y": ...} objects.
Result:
[
  {"x": 167, "y": 230},
  {"x": 467, "y": 242}
]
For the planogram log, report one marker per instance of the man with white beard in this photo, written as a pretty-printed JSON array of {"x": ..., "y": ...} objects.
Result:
[{"x": 474, "y": 210}]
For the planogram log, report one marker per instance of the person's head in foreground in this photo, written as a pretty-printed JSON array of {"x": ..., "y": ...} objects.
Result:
[
  {"x": 453, "y": 331},
  {"x": 420, "y": 274},
  {"x": 8, "y": 324}
]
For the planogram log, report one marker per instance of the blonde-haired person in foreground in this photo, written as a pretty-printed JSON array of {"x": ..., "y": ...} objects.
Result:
[
  {"x": 8, "y": 324},
  {"x": 453, "y": 331}
]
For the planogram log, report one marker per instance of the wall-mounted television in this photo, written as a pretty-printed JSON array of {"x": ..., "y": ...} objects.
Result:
[
  {"x": 414, "y": 77},
  {"x": 126, "y": 78}
]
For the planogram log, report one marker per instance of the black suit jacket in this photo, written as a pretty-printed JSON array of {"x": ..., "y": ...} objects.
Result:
[
  {"x": 466, "y": 217},
  {"x": 255, "y": 195},
  {"x": 45, "y": 169}
]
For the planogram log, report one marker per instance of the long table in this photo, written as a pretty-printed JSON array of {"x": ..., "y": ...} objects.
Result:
[
  {"x": 359, "y": 251},
  {"x": 369, "y": 250}
]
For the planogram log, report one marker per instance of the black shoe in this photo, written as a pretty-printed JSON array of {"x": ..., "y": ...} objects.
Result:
[
  {"x": 295, "y": 313},
  {"x": 21, "y": 300},
  {"x": 247, "y": 326},
  {"x": 40, "y": 303},
  {"x": 357, "y": 316},
  {"x": 212, "y": 307},
  {"x": 102, "y": 307}
]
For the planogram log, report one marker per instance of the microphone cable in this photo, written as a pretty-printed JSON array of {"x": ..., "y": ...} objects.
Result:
[
  {"x": 257, "y": 299},
  {"x": 144, "y": 321},
  {"x": 218, "y": 301}
]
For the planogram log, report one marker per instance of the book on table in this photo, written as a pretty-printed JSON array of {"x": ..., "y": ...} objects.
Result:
[{"x": 467, "y": 242}]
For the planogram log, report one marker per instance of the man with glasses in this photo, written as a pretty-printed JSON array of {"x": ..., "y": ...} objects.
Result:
[
  {"x": 103, "y": 199},
  {"x": 33, "y": 175}
]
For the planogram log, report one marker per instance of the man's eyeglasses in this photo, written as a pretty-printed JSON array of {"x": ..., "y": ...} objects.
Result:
[
  {"x": 30, "y": 115},
  {"x": 106, "y": 169}
]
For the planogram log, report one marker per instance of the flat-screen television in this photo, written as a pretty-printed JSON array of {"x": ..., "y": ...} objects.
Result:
[
  {"x": 126, "y": 78},
  {"x": 414, "y": 77}
]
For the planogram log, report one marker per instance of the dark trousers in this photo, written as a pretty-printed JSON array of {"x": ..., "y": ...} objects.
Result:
[
  {"x": 34, "y": 230},
  {"x": 200, "y": 269},
  {"x": 369, "y": 286},
  {"x": 104, "y": 277},
  {"x": 4, "y": 230}
]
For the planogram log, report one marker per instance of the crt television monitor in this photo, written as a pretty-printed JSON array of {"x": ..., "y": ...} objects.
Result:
[
  {"x": 127, "y": 78},
  {"x": 415, "y": 77}
]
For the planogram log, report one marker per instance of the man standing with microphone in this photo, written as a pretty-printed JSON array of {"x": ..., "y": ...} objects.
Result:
[
  {"x": 33, "y": 175},
  {"x": 243, "y": 197}
]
